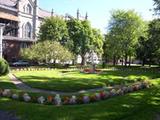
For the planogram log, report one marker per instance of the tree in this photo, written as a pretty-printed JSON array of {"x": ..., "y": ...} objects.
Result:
[
  {"x": 4, "y": 67},
  {"x": 154, "y": 40},
  {"x": 47, "y": 51},
  {"x": 157, "y": 6},
  {"x": 97, "y": 41},
  {"x": 75, "y": 31},
  {"x": 54, "y": 29},
  {"x": 84, "y": 37},
  {"x": 125, "y": 27},
  {"x": 113, "y": 47},
  {"x": 142, "y": 51}
]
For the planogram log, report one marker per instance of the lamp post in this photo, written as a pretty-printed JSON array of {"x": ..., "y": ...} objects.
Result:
[{"x": 1, "y": 38}]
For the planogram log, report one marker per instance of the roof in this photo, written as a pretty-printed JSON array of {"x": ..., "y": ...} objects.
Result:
[
  {"x": 43, "y": 13},
  {"x": 10, "y": 3},
  {"x": 8, "y": 16}
]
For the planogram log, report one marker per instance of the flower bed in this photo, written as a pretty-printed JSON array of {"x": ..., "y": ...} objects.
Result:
[
  {"x": 89, "y": 71},
  {"x": 72, "y": 100}
]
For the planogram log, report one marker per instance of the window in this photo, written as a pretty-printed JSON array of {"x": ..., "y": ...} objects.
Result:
[
  {"x": 27, "y": 30},
  {"x": 29, "y": 9},
  {"x": 23, "y": 45},
  {"x": 24, "y": 10}
]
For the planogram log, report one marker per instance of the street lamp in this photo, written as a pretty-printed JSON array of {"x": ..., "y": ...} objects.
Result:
[{"x": 1, "y": 38}]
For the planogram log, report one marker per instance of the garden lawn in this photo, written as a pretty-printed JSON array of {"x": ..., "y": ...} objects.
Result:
[
  {"x": 70, "y": 81},
  {"x": 141, "y": 105}
]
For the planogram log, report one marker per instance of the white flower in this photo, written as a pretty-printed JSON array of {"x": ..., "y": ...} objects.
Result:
[
  {"x": 6, "y": 93},
  {"x": 25, "y": 94},
  {"x": 86, "y": 99},
  {"x": 98, "y": 96},
  {"x": 73, "y": 100},
  {"x": 26, "y": 97},
  {"x": 120, "y": 92},
  {"x": 113, "y": 92},
  {"x": 107, "y": 94},
  {"x": 125, "y": 89},
  {"x": 15, "y": 96},
  {"x": 41, "y": 100},
  {"x": 57, "y": 99}
]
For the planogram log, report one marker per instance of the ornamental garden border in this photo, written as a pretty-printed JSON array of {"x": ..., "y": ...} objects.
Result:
[
  {"x": 87, "y": 98},
  {"x": 88, "y": 70}
]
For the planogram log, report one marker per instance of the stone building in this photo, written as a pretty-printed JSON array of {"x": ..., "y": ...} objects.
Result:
[{"x": 22, "y": 19}]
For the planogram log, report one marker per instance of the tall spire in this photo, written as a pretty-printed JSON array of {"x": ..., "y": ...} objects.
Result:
[
  {"x": 78, "y": 14},
  {"x": 86, "y": 17},
  {"x": 52, "y": 12}
]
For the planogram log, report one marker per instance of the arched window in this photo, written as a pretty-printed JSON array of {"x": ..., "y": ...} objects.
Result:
[
  {"x": 29, "y": 9},
  {"x": 27, "y": 30}
]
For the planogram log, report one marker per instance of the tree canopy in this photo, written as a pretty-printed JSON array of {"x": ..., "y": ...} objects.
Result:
[
  {"x": 157, "y": 6},
  {"x": 54, "y": 29},
  {"x": 47, "y": 51},
  {"x": 125, "y": 27}
]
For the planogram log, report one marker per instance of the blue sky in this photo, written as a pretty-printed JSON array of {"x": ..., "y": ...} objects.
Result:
[{"x": 98, "y": 10}]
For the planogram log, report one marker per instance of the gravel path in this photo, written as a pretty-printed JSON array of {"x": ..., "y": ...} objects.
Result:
[
  {"x": 19, "y": 84},
  {"x": 7, "y": 116}
]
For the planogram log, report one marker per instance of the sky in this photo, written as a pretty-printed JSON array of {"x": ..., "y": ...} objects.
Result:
[{"x": 99, "y": 11}]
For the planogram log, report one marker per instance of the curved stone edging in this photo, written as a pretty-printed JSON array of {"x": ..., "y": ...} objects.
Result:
[{"x": 22, "y": 86}]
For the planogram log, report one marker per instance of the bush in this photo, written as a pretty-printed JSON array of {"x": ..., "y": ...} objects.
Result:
[{"x": 4, "y": 67}]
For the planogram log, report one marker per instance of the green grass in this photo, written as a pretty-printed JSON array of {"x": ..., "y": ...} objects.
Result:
[
  {"x": 69, "y": 81},
  {"x": 5, "y": 83},
  {"x": 142, "y": 105}
]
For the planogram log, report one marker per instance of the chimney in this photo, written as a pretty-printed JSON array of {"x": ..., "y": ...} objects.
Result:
[
  {"x": 86, "y": 17},
  {"x": 52, "y": 12},
  {"x": 78, "y": 14}
]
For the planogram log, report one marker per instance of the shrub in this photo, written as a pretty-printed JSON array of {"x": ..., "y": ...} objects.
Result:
[{"x": 4, "y": 67}]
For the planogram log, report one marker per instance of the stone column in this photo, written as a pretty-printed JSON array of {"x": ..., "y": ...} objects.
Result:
[{"x": 1, "y": 38}]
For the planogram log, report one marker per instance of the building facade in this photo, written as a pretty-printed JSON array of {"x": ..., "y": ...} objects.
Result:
[{"x": 22, "y": 19}]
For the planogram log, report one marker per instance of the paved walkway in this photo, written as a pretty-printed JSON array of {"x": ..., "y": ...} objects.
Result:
[
  {"x": 7, "y": 116},
  {"x": 20, "y": 85}
]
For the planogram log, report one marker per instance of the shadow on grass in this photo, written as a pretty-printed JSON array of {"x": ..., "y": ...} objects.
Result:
[
  {"x": 130, "y": 73},
  {"x": 7, "y": 85},
  {"x": 71, "y": 84}
]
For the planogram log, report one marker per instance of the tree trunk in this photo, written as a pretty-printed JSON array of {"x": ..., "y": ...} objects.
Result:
[
  {"x": 103, "y": 63},
  {"x": 122, "y": 61},
  {"x": 73, "y": 62},
  {"x": 83, "y": 62},
  {"x": 114, "y": 60},
  {"x": 129, "y": 60},
  {"x": 150, "y": 62},
  {"x": 143, "y": 61},
  {"x": 54, "y": 63},
  {"x": 126, "y": 59}
]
